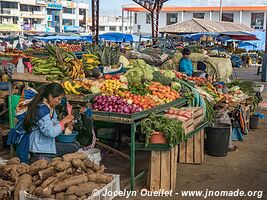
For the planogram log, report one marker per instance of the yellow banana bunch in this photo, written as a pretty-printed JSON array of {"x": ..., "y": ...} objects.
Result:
[
  {"x": 90, "y": 61},
  {"x": 76, "y": 70},
  {"x": 70, "y": 88}
]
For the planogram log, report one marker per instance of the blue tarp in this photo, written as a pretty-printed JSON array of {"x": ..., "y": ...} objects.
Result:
[
  {"x": 256, "y": 44},
  {"x": 66, "y": 38},
  {"x": 116, "y": 37}
]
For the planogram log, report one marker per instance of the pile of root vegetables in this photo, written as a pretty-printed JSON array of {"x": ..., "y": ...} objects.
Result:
[{"x": 69, "y": 178}]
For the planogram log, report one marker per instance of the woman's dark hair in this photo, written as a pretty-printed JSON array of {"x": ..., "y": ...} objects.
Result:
[
  {"x": 186, "y": 51},
  {"x": 31, "y": 118}
]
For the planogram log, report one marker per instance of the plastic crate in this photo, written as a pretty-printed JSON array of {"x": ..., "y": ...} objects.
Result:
[
  {"x": 4, "y": 85},
  {"x": 112, "y": 186}
]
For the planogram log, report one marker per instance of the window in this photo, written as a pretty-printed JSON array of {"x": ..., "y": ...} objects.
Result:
[
  {"x": 112, "y": 28},
  {"x": 24, "y": 8},
  {"x": 257, "y": 20},
  {"x": 135, "y": 18},
  {"x": 49, "y": 12},
  {"x": 68, "y": 22},
  {"x": 36, "y": 8},
  {"x": 49, "y": 24},
  {"x": 12, "y": 5},
  {"x": 171, "y": 18},
  {"x": 120, "y": 28},
  {"x": 82, "y": 11},
  {"x": 228, "y": 17},
  {"x": 148, "y": 18},
  {"x": 101, "y": 28},
  {"x": 199, "y": 15},
  {"x": 68, "y": 10}
]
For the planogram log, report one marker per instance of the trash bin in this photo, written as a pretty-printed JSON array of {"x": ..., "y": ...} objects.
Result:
[
  {"x": 253, "y": 121},
  {"x": 218, "y": 139}
]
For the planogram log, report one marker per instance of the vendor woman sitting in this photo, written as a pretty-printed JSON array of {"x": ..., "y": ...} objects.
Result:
[
  {"x": 185, "y": 64},
  {"x": 41, "y": 125}
]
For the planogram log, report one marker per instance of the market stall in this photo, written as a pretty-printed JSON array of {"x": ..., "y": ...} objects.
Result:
[{"x": 113, "y": 89}]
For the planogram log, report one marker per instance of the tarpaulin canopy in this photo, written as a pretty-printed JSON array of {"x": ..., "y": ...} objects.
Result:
[
  {"x": 116, "y": 37},
  {"x": 243, "y": 36},
  {"x": 65, "y": 38},
  {"x": 204, "y": 26}
]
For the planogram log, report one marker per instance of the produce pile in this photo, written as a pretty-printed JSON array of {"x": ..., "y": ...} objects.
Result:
[
  {"x": 172, "y": 128},
  {"x": 144, "y": 96},
  {"x": 199, "y": 81},
  {"x": 58, "y": 65},
  {"x": 77, "y": 87},
  {"x": 72, "y": 177},
  {"x": 182, "y": 115},
  {"x": 115, "y": 104}
]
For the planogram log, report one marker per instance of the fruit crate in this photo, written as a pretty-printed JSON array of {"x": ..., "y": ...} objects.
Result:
[{"x": 110, "y": 188}]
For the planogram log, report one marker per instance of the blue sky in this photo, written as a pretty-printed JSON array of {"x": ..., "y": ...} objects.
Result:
[{"x": 112, "y": 7}]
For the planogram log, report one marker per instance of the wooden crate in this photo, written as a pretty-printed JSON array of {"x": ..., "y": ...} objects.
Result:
[
  {"x": 162, "y": 170},
  {"x": 192, "y": 150},
  {"x": 188, "y": 126},
  {"x": 198, "y": 120}
]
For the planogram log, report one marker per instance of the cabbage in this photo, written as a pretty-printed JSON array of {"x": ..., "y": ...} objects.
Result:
[
  {"x": 169, "y": 74},
  {"x": 123, "y": 79},
  {"x": 95, "y": 89},
  {"x": 139, "y": 71},
  {"x": 176, "y": 86}
]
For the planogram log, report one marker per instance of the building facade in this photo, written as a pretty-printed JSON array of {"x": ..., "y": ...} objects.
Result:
[
  {"x": 56, "y": 16},
  {"x": 45, "y": 15},
  {"x": 252, "y": 16}
]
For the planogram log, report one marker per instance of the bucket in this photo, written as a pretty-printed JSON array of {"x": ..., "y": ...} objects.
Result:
[
  {"x": 94, "y": 155},
  {"x": 158, "y": 138},
  {"x": 218, "y": 139},
  {"x": 253, "y": 121}
]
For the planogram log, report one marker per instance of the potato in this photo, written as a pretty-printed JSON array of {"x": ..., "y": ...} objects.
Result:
[
  {"x": 37, "y": 166},
  {"x": 48, "y": 181},
  {"x": 85, "y": 188},
  {"x": 60, "y": 196},
  {"x": 71, "y": 190},
  {"x": 90, "y": 164},
  {"x": 61, "y": 166},
  {"x": 13, "y": 161},
  {"x": 74, "y": 180},
  {"x": 77, "y": 163},
  {"x": 99, "y": 178},
  {"x": 32, "y": 188},
  {"x": 71, "y": 197},
  {"x": 24, "y": 183},
  {"x": 45, "y": 173},
  {"x": 77, "y": 155}
]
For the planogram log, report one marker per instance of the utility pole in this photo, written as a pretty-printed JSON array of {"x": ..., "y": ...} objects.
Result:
[
  {"x": 220, "y": 10},
  {"x": 264, "y": 64}
]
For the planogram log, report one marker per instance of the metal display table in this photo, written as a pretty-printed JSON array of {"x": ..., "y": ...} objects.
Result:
[{"x": 134, "y": 120}]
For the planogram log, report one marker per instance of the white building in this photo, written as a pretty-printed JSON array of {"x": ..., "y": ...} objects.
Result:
[
  {"x": 252, "y": 16},
  {"x": 9, "y": 12}
]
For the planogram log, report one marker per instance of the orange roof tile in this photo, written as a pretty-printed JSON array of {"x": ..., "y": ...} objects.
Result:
[{"x": 204, "y": 8}]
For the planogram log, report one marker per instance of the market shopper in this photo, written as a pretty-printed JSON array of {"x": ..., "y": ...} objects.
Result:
[
  {"x": 41, "y": 126},
  {"x": 185, "y": 64}
]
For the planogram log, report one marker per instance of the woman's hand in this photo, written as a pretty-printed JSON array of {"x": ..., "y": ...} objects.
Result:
[{"x": 67, "y": 119}]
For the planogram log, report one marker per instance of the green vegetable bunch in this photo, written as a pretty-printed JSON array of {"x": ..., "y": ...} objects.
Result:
[
  {"x": 158, "y": 76},
  {"x": 138, "y": 89},
  {"x": 172, "y": 128}
]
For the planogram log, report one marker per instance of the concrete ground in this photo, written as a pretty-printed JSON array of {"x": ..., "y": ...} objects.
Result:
[{"x": 245, "y": 169}]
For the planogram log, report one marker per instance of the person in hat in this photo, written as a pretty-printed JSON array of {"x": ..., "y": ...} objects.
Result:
[{"x": 185, "y": 64}]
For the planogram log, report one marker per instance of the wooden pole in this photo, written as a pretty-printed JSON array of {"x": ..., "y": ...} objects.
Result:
[
  {"x": 264, "y": 64},
  {"x": 220, "y": 10}
]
